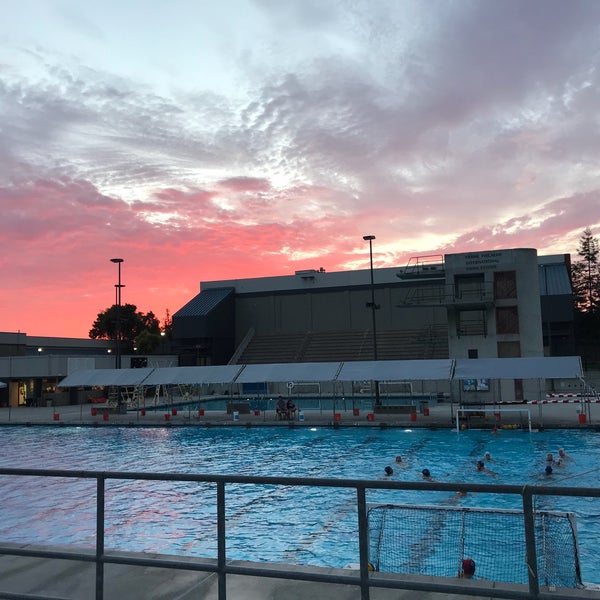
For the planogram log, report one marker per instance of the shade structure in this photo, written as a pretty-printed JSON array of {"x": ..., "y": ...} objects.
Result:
[
  {"x": 278, "y": 372},
  {"x": 193, "y": 375},
  {"x": 560, "y": 367},
  {"x": 543, "y": 367},
  {"x": 93, "y": 377},
  {"x": 396, "y": 370}
]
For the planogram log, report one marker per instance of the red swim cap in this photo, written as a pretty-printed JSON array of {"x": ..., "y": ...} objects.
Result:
[{"x": 468, "y": 566}]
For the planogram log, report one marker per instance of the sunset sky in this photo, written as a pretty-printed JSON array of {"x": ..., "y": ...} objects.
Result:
[{"x": 203, "y": 140}]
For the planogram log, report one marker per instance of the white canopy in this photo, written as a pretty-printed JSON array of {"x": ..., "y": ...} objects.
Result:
[
  {"x": 544, "y": 367},
  {"x": 193, "y": 375},
  {"x": 560, "y": 367},
  {"x": 325, "y": 371},
  {"x": 93, "y": 377},
  {"x": 396, "y": 370}
]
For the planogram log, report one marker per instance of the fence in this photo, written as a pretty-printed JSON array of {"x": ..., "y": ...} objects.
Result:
[{"x": 362, "y": 577}]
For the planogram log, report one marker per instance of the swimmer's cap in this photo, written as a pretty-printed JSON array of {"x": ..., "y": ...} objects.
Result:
[{"x": 468, "y": 566}]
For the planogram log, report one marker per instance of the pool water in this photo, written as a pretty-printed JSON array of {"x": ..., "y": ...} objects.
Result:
[{"x": 309, "y": 526}]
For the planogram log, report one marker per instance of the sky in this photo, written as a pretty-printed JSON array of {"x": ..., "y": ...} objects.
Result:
[{"x": 203, "y": 141}]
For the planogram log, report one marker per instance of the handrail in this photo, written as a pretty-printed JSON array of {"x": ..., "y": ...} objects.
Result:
[{"x": 365, "y": 580}]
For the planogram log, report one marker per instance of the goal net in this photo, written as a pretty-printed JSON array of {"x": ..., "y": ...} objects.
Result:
[
  {"x": 502, "y": 418},
  {"x": 430, "y": 540}
]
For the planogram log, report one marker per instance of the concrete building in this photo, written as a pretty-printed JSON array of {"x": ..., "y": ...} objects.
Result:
[
  {"x": 31, "y": 367},
  {"x": 497, "y": 304}
]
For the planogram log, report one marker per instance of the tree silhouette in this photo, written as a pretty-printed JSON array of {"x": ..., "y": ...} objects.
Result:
[
  {"x": 127, "y": 322},
  {"x": 585, "y": 277}
]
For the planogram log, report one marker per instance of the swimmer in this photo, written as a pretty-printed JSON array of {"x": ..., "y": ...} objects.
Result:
[
  {"x": 488, "y": 457},
  {"x": 550, "y": 458},
  {"x": 564, "y": 455},
  {"x": 398, "y": 459},
  {"x": 388, "y": 471},
  {"x": 468, "y": 569},
  {"x": 548, "y": 470},
  {"x": 480, "y": 466},
  {"x": 426, "y": 475}
]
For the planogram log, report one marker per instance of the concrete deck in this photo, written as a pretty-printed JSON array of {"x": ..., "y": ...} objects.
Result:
[
  {"x": 76, "y": 581},
  {"x": 552, "y": 415}
]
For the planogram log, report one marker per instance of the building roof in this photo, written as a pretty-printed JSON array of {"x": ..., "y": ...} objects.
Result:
[
  {"x": 201, "y": 304},
  {"x": 554, "y": 280}
]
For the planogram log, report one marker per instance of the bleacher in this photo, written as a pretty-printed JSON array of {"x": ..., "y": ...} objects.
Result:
[{"x": 410, "y": 344}]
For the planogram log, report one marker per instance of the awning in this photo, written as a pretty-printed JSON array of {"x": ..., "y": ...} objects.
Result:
[
  {"x": 396, "y": 370},
  {"x": 193, "y": 375},
  {"x": 93, "y": 377},
  {"x": 322, "y": 371},
  {"x": 544, "y": 367},
  {"x": 560, "y": 367}
]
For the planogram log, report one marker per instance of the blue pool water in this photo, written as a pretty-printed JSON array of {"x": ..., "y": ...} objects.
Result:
[{"x": 272, "y": 523}]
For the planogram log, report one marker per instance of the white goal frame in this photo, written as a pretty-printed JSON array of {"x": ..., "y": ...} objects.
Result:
[{"x": 460, "y": 411}]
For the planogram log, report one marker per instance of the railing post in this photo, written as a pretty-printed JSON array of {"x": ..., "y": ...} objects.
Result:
[
  {"x": 363, "y": 542},
  {"x": 530, "y": 550},
  {"x": 100, "y": 483},
  {"x": 221, "y": 554}
]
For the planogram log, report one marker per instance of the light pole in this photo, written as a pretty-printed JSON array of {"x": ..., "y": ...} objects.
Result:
[
  {"x": 118, "y": 287},
  {"x": 373, "y": 308}
]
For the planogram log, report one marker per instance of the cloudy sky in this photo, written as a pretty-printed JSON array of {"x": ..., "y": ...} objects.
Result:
[{"x": 203, "y": 140}]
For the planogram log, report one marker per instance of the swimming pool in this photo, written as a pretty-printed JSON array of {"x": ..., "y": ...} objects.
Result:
[{"x": 311, "y": 526}]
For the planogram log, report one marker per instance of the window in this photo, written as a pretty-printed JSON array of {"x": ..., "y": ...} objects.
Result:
[
  {"x": 473, "y": 353},
  {"x": 507, "y": 319},
  {"x": 505, "y": 285}
]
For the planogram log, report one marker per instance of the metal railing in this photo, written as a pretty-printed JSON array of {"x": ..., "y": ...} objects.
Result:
[{"x": 364, "y": 579}]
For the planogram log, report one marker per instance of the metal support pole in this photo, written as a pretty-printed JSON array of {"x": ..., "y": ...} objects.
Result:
[
  {"x": 374, "y": 307},
  {"x": 530, "y": 550},
  {"x": 118, "y": 287},
  {"x": 100, "y": 483},
  {"x": 363, "y": 542},
  {"x": 221, "y": 553}
]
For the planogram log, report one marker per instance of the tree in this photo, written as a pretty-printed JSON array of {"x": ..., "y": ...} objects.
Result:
[
  {"x": 126, "y": 321},
  {"x": 147, "y": 342},
  {"x": 585, "y": 277},
  {"x": 585, "y": 274}
]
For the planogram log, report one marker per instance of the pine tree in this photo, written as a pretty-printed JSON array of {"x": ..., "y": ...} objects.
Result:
[
  {"x": 585, "y": 277},
  {"x": 585, "y": 274}
]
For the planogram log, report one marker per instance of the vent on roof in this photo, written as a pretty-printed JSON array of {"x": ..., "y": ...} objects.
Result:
[{"x": 307, "y": 273}]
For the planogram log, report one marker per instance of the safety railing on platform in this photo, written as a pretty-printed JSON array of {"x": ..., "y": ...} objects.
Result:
[{"x": 362, "y": 577}]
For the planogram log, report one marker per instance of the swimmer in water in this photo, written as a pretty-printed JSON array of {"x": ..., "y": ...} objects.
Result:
[
  {"x": 426, "y": 475},
  {"x": 488, "y": 457},
  {"x": 468, "y": 569},
  {"x": 565, "y": 457},
  {"x": 480, "y": 466},
  {"x": 388, "y": 471}
]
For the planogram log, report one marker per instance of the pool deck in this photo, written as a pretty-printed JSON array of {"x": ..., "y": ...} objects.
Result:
[
  {"x": 53, "y": 579},
  {"x": 563, "y": 415},
  {"x": 76, "y": 580}
]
